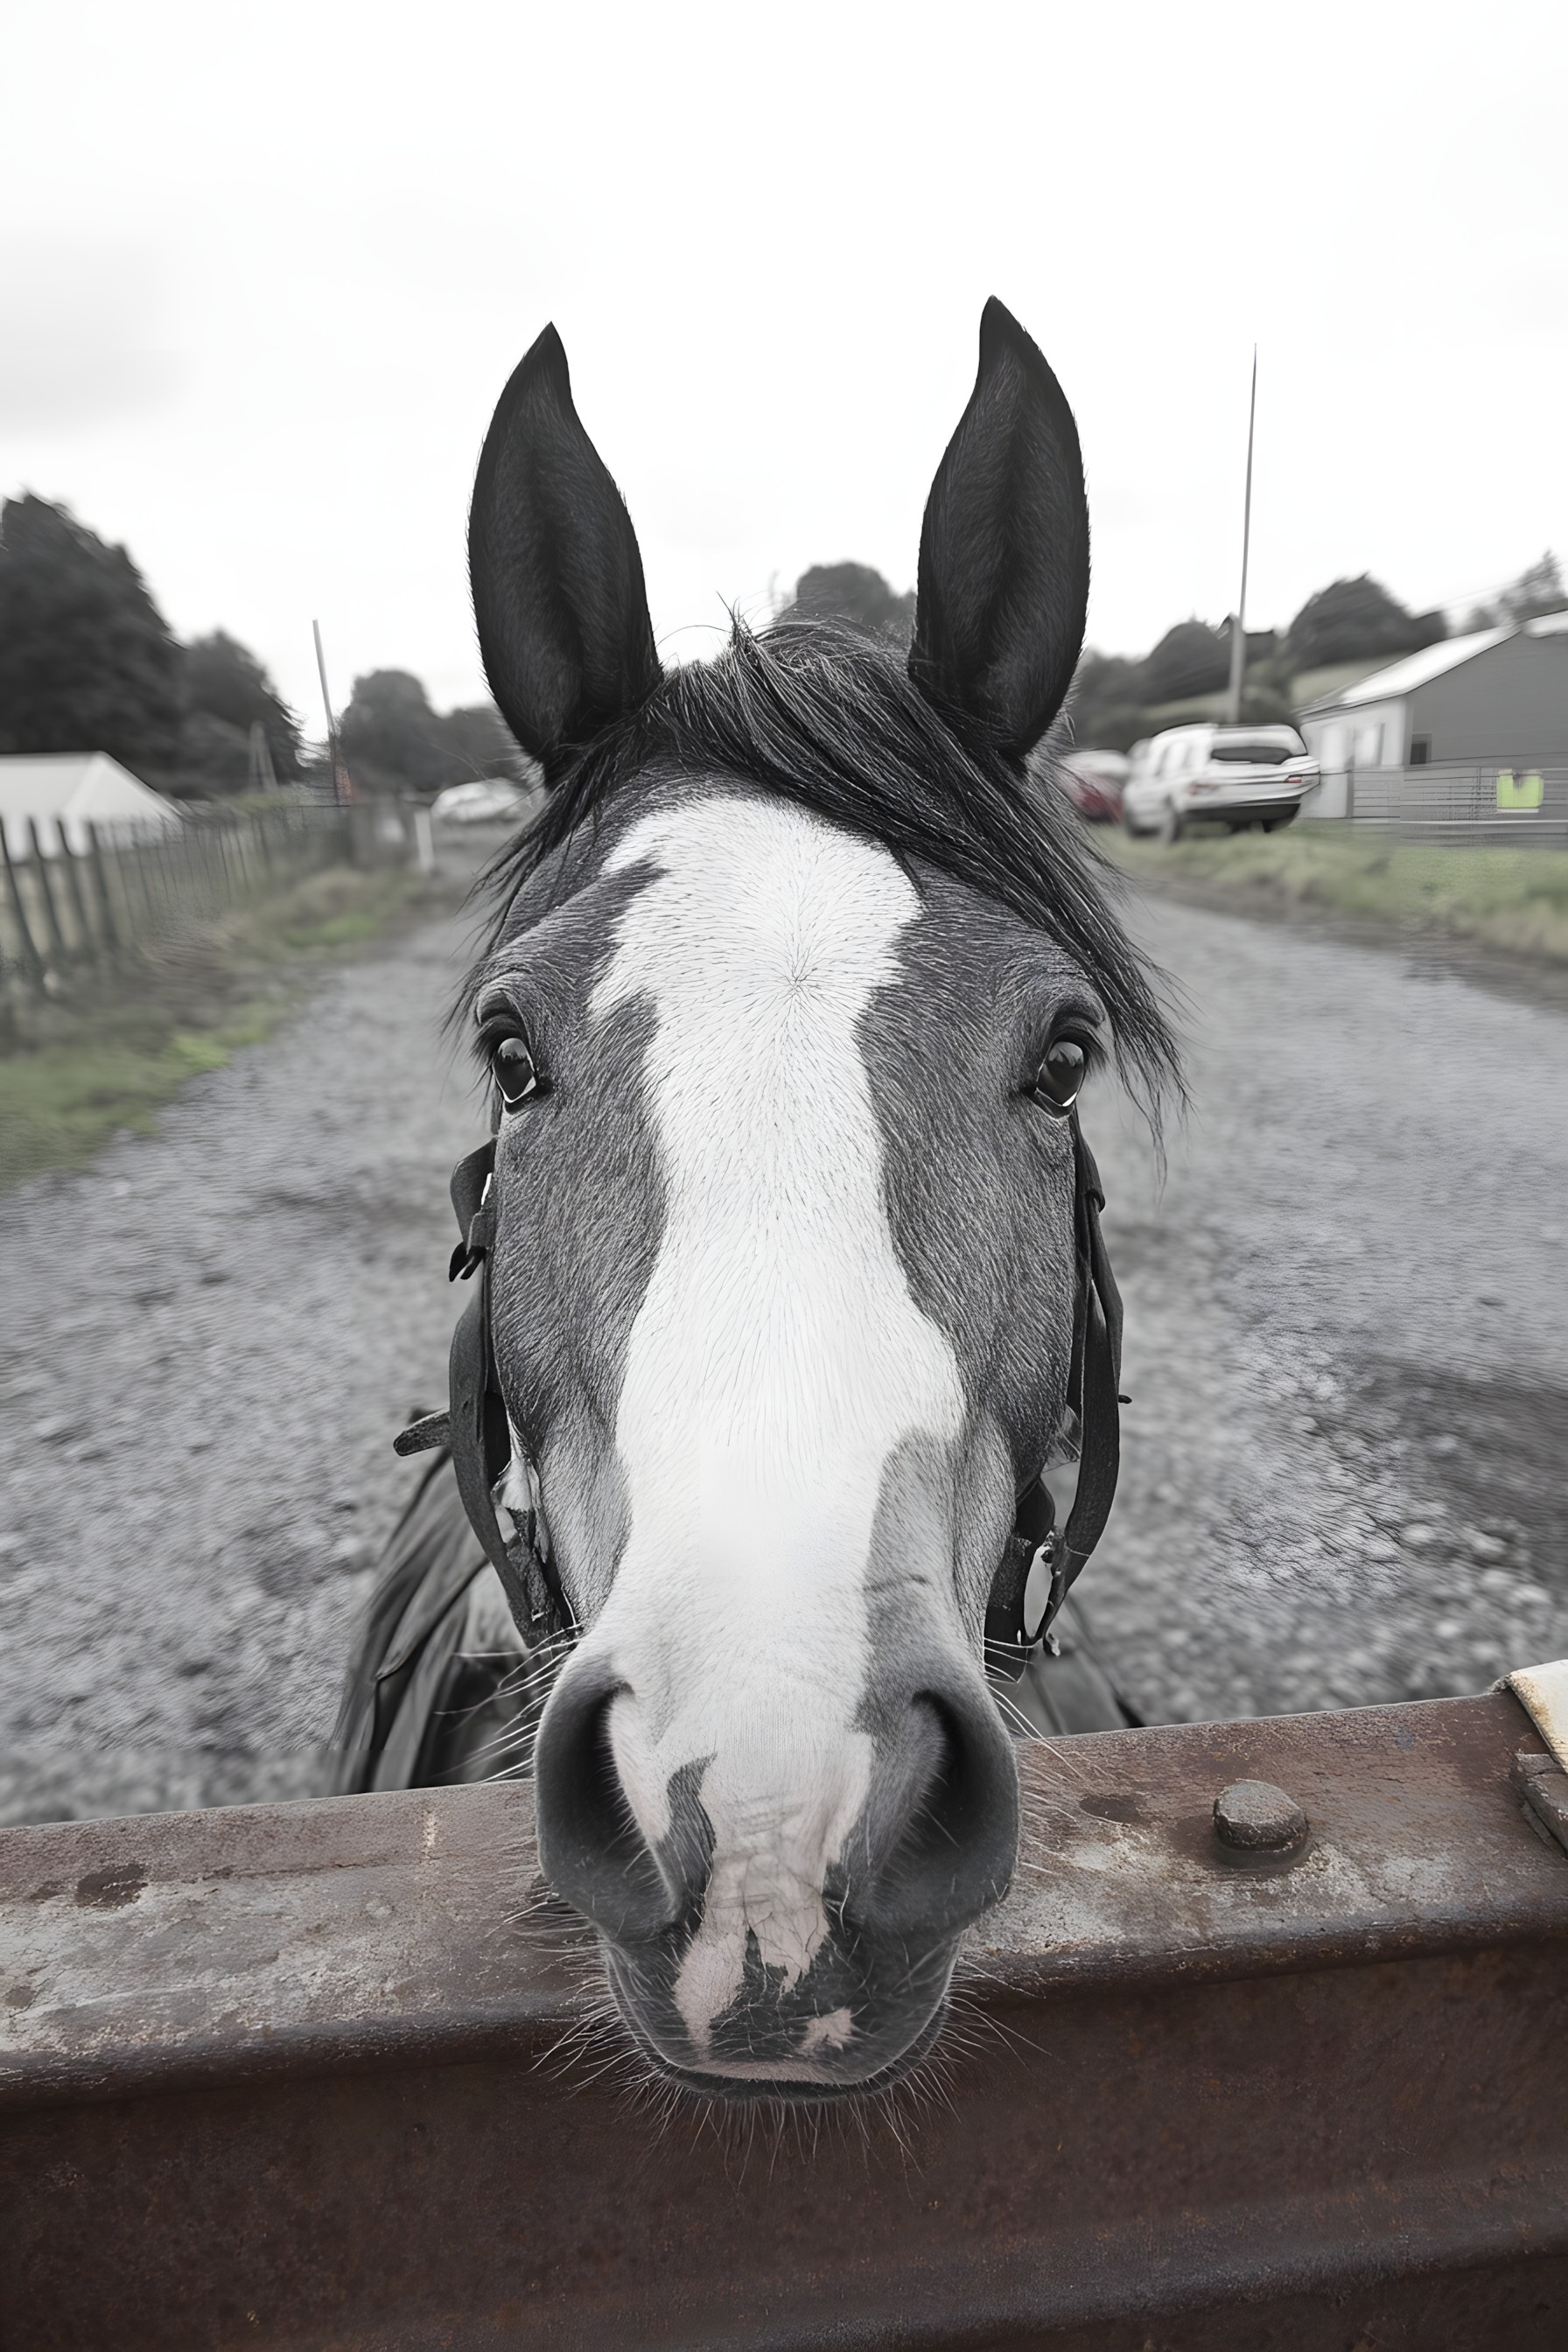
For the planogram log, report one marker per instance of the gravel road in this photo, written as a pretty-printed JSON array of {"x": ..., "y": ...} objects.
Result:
[
  {"x": 1347, "y": 1348},
  {"x": 1346, "y": 1460},
  {"x": 208, "y": 1342}
]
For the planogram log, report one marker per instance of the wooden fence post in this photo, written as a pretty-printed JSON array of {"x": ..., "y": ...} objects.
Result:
[
  {"x": 51, "y": 912},
  {"x": 100, "y": 877},
  {"x": 135, "y": 853},
  {"x": 33, "y": 963},
  {"x": 211, "y": 859},
  {"x": 70, "y": 866},
  {"x": 136, "y": 850},
  {"x": 168, "y": 869}
]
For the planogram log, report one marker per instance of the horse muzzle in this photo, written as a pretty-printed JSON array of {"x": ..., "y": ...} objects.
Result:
[{"x": 790, "y": 1963}]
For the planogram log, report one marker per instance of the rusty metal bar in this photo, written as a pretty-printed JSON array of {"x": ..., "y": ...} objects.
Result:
[{"x": 314, "y": 2075}]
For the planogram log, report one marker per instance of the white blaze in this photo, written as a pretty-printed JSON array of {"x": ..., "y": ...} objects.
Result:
[{"x": 777, "y": 1361}]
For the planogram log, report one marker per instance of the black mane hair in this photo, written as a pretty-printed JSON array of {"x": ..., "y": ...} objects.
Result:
[{"x": 819, "y": 715}]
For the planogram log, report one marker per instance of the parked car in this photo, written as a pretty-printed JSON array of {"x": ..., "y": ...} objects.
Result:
[
  {"x": 1092, "y": 781},
  {"x": 487, "y": 800},
  {"x": 1235, "y": 776}
]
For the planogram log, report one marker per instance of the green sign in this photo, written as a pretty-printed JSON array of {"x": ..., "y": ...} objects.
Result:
[{"x": 1519, "y": 792}]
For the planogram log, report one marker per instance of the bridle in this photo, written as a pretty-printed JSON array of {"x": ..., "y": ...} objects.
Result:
[
  {"x": 1094, "y": 1395},
  {"x": 477, "y": 1432}
]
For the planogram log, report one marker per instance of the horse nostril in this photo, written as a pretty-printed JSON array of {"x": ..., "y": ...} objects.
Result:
[
  {"x": 941, "y": 1832},
  {"x": 590, "y": 1846}
]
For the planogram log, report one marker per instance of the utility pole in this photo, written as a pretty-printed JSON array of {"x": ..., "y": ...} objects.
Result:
[
  {"x": 1238, "y": 618},
  {"x": 342, "y": 788}
]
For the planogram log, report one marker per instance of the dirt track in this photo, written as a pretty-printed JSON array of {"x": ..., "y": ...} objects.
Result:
[
  {"x": 1347, "y": 1335},
  {"x": 1347, "y": 1350},
  {"x": 210, "y": 1342}
]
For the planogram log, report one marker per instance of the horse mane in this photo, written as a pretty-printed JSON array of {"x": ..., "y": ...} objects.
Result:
[{"x": 818, "y": 714}]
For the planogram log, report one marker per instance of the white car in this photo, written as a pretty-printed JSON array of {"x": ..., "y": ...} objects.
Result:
[
  {"x": 485, "y": 800},
  {"x": 1235, "y": 776}
]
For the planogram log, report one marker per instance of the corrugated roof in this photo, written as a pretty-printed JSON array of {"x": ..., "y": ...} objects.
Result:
[{"x": 1412, "y": 670}]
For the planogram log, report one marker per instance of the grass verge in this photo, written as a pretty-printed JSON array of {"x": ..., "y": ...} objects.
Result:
[
  {"x": 1512, "y": 901},
  {"x": 99, "y": 1059}
]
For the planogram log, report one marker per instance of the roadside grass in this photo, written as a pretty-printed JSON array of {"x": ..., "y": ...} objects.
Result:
[
  {"x": 1511, "y": 900},
  {"x": 101, "y": 1058}
]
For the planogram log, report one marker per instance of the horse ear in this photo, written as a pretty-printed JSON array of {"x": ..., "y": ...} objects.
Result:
[
  {"x": 1003, "y": 577},
  {"x": 562, "y": 615}
]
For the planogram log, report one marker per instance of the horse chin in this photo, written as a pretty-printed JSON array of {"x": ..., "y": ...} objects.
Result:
[
  {"x": 753, "y": 2052},
  {"x": 787, "y": 2088}
]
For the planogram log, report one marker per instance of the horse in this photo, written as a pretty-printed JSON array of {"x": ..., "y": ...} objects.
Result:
[{"x": 790, "y": 1279}]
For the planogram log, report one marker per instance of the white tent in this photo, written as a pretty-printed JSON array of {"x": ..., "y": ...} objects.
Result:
[{"x": 75, "y": 789}]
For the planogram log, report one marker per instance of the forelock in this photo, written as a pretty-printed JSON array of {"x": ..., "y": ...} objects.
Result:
[{"x": 820, "y": 715}]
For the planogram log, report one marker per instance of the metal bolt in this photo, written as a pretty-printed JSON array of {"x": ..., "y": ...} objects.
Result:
[{"x": 1256, "y": 1817}]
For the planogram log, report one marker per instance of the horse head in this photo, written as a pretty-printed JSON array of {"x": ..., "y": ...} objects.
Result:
[{"x": 787, "y": 1011}]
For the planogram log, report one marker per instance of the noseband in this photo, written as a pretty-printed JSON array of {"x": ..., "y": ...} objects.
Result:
[{"x": 477, "y": 1432}]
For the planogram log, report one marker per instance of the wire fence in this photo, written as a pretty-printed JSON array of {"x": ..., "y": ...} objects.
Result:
[
  {"x": 1518, "y": 804},
  {"x": 77, "y": 895}
]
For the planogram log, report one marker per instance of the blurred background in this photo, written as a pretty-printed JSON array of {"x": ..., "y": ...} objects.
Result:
[{"x": 262, "y": 276}]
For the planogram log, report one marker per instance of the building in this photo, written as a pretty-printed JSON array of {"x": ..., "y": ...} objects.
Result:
[
  {"x": 1494, "y": 702},
  {"x": 74, "y": 789}
]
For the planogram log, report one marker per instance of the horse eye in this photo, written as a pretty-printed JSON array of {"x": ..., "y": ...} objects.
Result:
[
  {"x": 1061, "y": 1073},
  {"x": 511, "y": 1067}
]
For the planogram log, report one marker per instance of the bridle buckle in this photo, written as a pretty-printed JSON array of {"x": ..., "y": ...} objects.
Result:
[{"x": 1047, "y": 1553}]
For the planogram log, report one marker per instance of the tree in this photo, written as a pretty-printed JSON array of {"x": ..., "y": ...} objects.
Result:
[
  {"x": 856, "y": 593},
  {"x": 226, "y": 683},
  {"x": 1539, "y": 589},
  {"x": 87, "y": 662},
  {"x": 1191, "y": 658},
  {"x": 1106, "y": 704},
  {"x": 1111, "y": 726},
  {"x": 214, "y": 760},
  {"x": 1356, "y": 620},
  {"x": 1111, "y": 705},
  {"x": 394, "y": 742},
  {"x": 480, "y": 743},
  {"x": 390, "y": 736},
  {"x": 1106, "y": 677}
]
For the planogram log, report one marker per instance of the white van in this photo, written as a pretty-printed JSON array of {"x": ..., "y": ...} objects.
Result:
[{"x": 1235, "y": 776}]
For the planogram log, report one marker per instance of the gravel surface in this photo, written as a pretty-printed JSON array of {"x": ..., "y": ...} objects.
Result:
[
  {"x": 1347, "y": 1348},
  {"x": 208, "y": 1342},
  {"x": 1347, "y": 1335}
]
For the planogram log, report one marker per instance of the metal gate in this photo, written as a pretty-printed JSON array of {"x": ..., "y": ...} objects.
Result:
[{"x": 300, "y": 2076}]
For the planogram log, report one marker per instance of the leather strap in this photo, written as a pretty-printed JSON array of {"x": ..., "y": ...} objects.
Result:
[
  {"x": 480, "y": 1433},
  {"x": 1093, "y": 1391},
  {"x": 477, "y": 1432},
  {"x": 1100, "y": 1374}
]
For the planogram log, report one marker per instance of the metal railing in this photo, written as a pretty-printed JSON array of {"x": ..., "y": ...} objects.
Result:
[
  {"x": 324, "y": 2075},
  {"x": 1517, "y": 803}
]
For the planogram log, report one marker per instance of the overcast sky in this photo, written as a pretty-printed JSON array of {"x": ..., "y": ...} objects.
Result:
[{"x": 264, "y": 270}]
